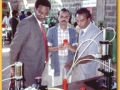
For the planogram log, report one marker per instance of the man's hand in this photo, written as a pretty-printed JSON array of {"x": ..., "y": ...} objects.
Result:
[
  {"x": 70, "y": 47},
  {"x": 67, "y": 45},
  {"x": 68, "y": 64},
  {"x": 61, "y": 47}
]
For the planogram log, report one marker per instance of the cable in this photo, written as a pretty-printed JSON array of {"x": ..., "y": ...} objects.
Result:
[
  {"x": 81, "y": 45},
  {"x": 90, "y": 43},
  {"x": 8, "y": 78},
  {"x": 98, "y": 45},
  {"x": 113, "y": 31},
  {"x": 94, "y": 38},
  {"x": 8, "y": 67},
  {"x": 100, "y": 33},
  {"x": 87, "y": 47},
  {"x": 96, "y": 61},
  {"x": 87, "y": 60}
]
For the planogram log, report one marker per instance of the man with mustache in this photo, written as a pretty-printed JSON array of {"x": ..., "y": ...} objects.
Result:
[
  {"x": 86, "y": 69},
  {"x": 61, "y": 51}
]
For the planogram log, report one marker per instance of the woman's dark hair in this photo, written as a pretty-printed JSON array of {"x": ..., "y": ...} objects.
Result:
[
  {"x": 64, "y": 10},
  {"x": 42, "y": 2},
  {"x": 83, "y": 11}
]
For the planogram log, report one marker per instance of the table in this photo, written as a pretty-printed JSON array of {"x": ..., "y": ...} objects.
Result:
[
  {"x": 6, "y": 34},
  {"x": 78, "y": 84}
]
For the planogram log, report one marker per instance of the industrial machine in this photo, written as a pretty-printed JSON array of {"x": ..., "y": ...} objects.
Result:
[{"x": 107, "y": 82}]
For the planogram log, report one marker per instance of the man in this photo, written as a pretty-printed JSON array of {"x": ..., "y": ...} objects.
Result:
[
  {"x": 6, "y": 19},
  {"x": 22, "y": 16},
  {"x": 14, "y": 22},
  {"x": 61, "y": 52},
  {"x": 86, "y": 69},
  {"x": 29, "y": 45},
  {"x": 28, "y": 13},
  {"x": 6, "y": 25}
]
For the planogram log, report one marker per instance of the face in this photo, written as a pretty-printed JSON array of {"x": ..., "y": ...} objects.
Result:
[
  {"x": 63, "y": 17},
  {"x": 7, "y": 14},
  {"x": 82, "y": 20},
  {"x": 42, "y": 12},
  {"x": 16, "y": 15}
]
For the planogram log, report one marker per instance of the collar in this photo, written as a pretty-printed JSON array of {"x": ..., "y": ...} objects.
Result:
[
  {"x": 39, "y": 22},
  {"x": 84, "y": 30},
  {"x": 60, "y": 27}
]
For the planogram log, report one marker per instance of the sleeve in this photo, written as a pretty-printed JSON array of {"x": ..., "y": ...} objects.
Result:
[
  {"x": 3, "y": 22},
  {"x": 93, "y": 48},
  {"x": 50, "y": 37},
  {"x": 21, "y": 36},
  {"x": 74, "y": 41}
]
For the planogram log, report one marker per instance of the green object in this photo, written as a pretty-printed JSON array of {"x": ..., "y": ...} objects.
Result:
[{"x": 113, "y": 51}]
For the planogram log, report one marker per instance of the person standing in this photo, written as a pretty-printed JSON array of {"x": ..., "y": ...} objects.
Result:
[
  {"x": 6, "y": 25},
  {"x": 61, "y": 51},
  {"x": 86, "y": 69},
  {"x": 28, "y": 13},
  {"x": 22, "y": 16},
  {"x": 6, "y": 19},
  {"x": 29, "y": 45},
  {"x": 14, "y": 21}
]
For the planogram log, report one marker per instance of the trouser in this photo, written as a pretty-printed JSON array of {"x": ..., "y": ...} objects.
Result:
[
  {"x": 48, "y": 74},
  {"x": 58, "y": 79}
]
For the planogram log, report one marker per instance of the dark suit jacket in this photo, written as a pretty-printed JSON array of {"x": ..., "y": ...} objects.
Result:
[
  {"x": 13, "y": 22},
  {"x": 28, "y": 47}
]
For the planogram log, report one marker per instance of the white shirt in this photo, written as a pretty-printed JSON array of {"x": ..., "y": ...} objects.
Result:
[
  {"x": 6, "y": 21},
  {"x": 63, "y": 34},
  {"x": 39, "y": 22},
  {"x": 84, "y": 30}
]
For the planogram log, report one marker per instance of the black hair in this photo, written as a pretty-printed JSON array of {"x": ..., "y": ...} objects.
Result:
[
  {"x": 22, "y": 12},
  {"x": 64, "y": 10},
  {"x": 75, "y": 24},
  {"x": 7, "y": 12},
  {"x": 42, "y": 2},
  {"x": 70, "y": 19},
  {"x": 29, "y": 13},
  {"x": 83, "y": 11},
  {"x": 14, "y": 12}
]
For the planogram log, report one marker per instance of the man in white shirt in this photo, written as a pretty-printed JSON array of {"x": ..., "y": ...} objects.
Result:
[
  {"x": 6, "y": 19},
  {"x": 61, "y": 52}
]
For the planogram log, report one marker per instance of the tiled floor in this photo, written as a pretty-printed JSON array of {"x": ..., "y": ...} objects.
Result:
[{"x": 5, "y": 63}]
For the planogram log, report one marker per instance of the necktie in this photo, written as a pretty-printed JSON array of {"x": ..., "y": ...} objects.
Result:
[
  {"x": 45, "y": 40},
  {"x": 81, "y": 32}
]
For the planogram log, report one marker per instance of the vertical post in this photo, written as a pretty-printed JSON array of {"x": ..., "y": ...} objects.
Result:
[
  {"x": 100, "y": 10},
  {"x": 51, "y": 9}
]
